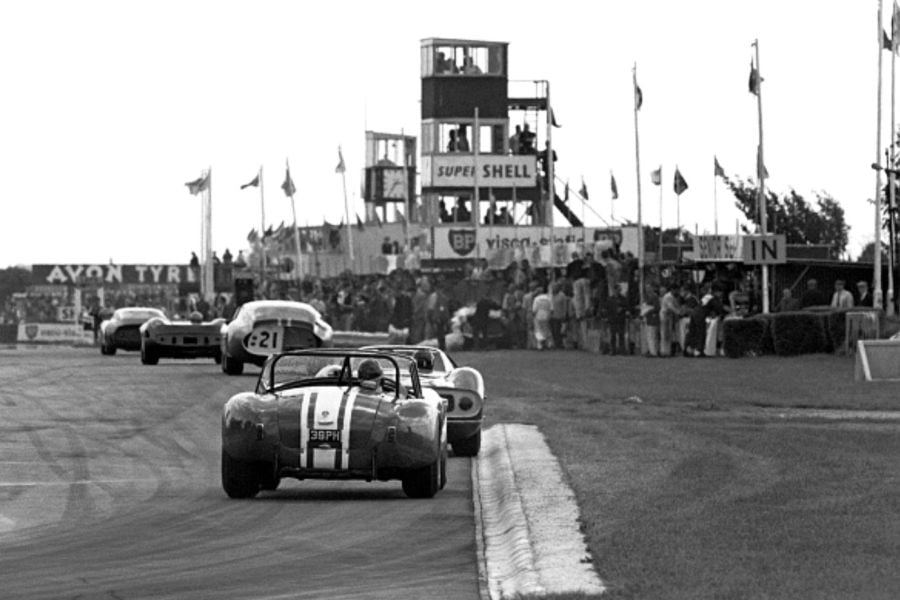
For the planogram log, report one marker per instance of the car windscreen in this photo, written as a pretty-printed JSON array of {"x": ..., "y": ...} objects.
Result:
[
  {"x": 293, "y": 370},
  {"x": 436, "y": 358},
  {"x": 138, "y": 313}
]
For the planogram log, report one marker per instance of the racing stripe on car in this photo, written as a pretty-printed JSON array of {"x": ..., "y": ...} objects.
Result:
[
  {"x": 308, "y": 405},
  {"x": 325, "y": 447},
  {"x": 344, "y": 418}
]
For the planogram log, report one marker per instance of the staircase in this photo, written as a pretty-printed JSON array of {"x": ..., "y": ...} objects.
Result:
[{"x": 566, "y": 211}]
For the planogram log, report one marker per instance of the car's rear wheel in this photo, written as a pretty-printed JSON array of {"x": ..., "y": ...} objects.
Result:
[
  {"x": 424, "y": 482},
  {"x": 469, "y": 446},
  {"x": 110, "y": 350},
  {"x": 268, "y": 476},
  {"x": 148, "y": 355},
  {"x": 239, "y": 478},
  {"x": 231, "y": 366}
]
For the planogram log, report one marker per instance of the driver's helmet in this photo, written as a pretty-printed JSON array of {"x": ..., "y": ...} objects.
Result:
[
  {"x": 424, "y": 360},
  {"x": 369, "y": 369}
]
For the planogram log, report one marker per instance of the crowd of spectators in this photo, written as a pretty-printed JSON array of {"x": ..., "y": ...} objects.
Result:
[{"x": 591, "y": 303}]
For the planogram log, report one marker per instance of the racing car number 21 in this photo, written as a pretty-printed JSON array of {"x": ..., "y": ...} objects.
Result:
[{"x": 265, "y": 339}]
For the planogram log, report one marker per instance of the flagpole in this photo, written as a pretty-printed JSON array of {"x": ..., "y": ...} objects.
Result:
[
  {"x": 891, "y": 145},
  {"x": 878, "y": 294},
  {"x": 677, "y": 211},
  {"x": 210, "y": 270},
  {"x": 262, "y": 215},
  {"x": 296, "y": 231},
  {"x": 762, "y": 177},
  {"x": 715, "y": 198},
  {"x": 551, "y": 168},
  {"x": 637, "y": 161},
  {"x": 660, "y": 244},
  {"x": 347, "y": 203},
  {"x": 406, "y": 195},
  {"x": 476, "y": 212}
]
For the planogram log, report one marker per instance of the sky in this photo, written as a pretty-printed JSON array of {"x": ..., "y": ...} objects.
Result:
[{"x": 107, "y": 108}]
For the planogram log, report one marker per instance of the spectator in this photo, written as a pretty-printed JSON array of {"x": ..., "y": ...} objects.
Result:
[
  {"x": 841, "y": 298},
  {"x": 227, "y": 258},
  {"x": 216, "y": 258},
  {"x": 386, "y": 246},
  {"x": 419, "y": 311},
  {"x": 514, "y": 140},
  {"x": 559, "y": 315},
  {"x": 438, "y": 315},
  {"x": 481, "y": 319},
  {"x": 650, "y": 313},
  {"x": 240, "y": 262},
  {"x": 669, "y": 313},
  {"x": 813, "y": 296},
  {"x": 462, "y": 141},
  {"x": 528, "y": 314},
  {"x": 787, "y": 303},
  {"x": 453, "y": 144},
  {"x": 865, "y": 297},
  {"x": 617, "y": 316},
  {"x": 541, "y": 308},
  {"x": 526, "y": 140},
  {"x": 195, "y": 262}
]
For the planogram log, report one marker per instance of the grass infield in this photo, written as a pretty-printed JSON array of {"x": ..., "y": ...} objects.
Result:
[{"x": 715, "y": 478}]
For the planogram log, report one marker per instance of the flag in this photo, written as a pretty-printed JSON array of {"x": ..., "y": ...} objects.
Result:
[
  {"x": 761, "y": 171},
  {"x": 886, "y": 43},
  {"x": 288, "y": 185},
  {"x": 268, "y": 232},
  {"x": 613, "y": 187},
  {"x": 718, "y": 171},
  {"x": 583, "y": 191},
  {"x": 359, "y": 223},
  {"x": 638, "y": 96},
  {"x": 553, "y": 118},
  {"x": 656, "y": 176},
  {"x": 253, "y": 183},
  {"x": 566, "y": 197},
  {"x": 198, "y": 185},
  {"x": 754, "y": 79},
  {"x": 340, "y": 168},
  {"x": 253, "y": 237},
  {"x": 680, "y": 184}
]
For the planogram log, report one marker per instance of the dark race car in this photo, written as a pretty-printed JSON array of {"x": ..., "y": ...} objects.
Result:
[
  {"x": 335, "y": 414},
  {"x": 265, "y": 327},
  {"x": 461, "y": 387},
  {"x": 122, "y": 330},
  {"x": 162, "y": 338}
]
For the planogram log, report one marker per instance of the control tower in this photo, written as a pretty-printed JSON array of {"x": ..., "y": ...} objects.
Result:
[{"x": 477, "y": 170}]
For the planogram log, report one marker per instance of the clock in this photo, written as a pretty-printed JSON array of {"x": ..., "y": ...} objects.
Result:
[{"x": 392, "y": 184}]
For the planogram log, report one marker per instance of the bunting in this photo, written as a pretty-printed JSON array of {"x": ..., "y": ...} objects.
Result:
[
  {"x": 288, "y": 185},
  {"x": 680, "y": 185},
  {"x": 753, "y": 84},
  {"x": 638, "y": 96},
  {"x": 718, "y": 171},
  {"x": 340, "y": 168},
  {"x": 656, "y": 176},
  {"x": 584, "y": 192},
  {"x": 253, "y": 183},
  {"x": 613, "y": 187},
  {"x": 553, "y": 118},
  {"x": 198, "y": 185}
]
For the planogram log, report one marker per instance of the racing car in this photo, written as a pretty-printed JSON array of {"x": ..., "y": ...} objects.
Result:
[
  {"x": 162, "y": 338},
  {"x": 461, "y": 387},
  {"x": 335, "y": 414},
  {"x": 122, "y": 330},
  {"x": 265, "y": 327}
]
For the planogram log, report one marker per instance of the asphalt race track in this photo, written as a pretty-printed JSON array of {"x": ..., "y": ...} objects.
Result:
[{"x": 109, "y": 488}]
